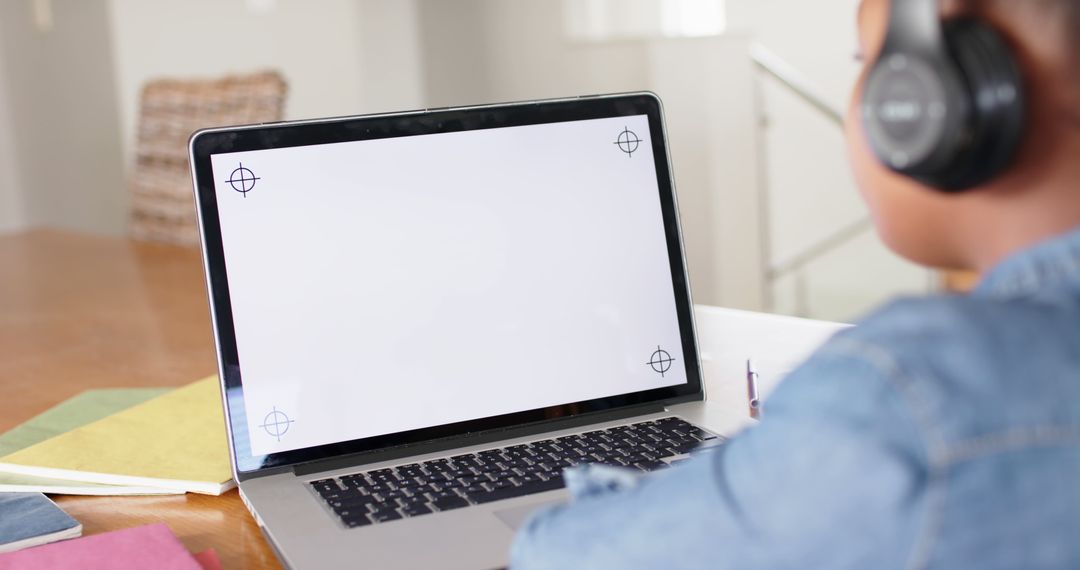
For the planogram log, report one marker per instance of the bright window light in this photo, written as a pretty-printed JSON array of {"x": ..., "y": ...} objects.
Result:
[{"x": 605, "y": 20}]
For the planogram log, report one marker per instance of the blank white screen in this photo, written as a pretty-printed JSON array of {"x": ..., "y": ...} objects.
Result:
[{"x": 388, "y": 285}]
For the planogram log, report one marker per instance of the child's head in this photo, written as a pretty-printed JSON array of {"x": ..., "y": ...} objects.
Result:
[{"x": 1038, "y": 196}]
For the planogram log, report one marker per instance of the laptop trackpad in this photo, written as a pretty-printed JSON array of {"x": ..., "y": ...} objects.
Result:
[{"x": 515, "y": 517}]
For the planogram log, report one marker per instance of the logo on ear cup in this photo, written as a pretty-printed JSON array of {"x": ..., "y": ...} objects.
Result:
[
  {"x": 900, "y": 111},
  {"x": 904, "y": 113}
]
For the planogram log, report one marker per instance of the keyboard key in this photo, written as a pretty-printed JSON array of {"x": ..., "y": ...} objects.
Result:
[
  {"x": 511, "y": 492},
  {"x": 414, "y": 500},
  {"x": 354, "y": 484},
  {"x": 650, "y": 465},
  {"x": 448, "y": 503},
  {"x": 416, "y": 509},
  {"x": 470, "y": 463},
  {"x": 386, "y": 515},
  {"x": 663, "y": 453},
  {"x": 353, "y": 502},
  {"x": 684, "y": 448},
  {"x": 326, "y": 487},
  {"x": 527, "y": 479},
  {"x": 351, "y": 514},
  {"x": 551, "y": 476},
  {"x": 356, "y": 520}
]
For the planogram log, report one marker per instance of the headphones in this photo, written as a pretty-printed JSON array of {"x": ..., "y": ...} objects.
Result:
[{"x": 944, "y": 103}]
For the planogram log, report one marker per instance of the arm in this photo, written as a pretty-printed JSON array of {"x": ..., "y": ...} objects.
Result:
[{"x": 833, "y": 478}]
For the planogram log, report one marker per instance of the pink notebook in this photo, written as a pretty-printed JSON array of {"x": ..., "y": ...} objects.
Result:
[{"x": 150, "y": 546}]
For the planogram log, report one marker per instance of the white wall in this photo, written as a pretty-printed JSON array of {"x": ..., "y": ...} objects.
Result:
[
  {"x": 455, "y": 52},
  {"x": 316, "y": 45},
  {"x": 60, "y": 114},
  {"x": 479, "y": 51},
  {"x": 811, "y": 189},
  {"x": 711, "y": 108},
  {"x": 530, "y": 56},
  {"x": 810, "y": 180},
  {"x": 12, "y": 212},
  {"x": 391, "y": 56}
]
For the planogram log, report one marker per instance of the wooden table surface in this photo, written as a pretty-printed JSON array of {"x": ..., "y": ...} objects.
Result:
[{"x": 80, "y": 312}]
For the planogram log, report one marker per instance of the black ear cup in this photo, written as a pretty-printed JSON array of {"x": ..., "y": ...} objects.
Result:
[
  {"x": 996, "y": 97},
  {"x": 949, "y": 113}
]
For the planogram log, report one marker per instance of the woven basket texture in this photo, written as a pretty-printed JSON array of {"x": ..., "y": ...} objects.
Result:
[{"x": 162, "y": 203}]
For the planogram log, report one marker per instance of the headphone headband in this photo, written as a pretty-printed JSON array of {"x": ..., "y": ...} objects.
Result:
[{"x": 914, "y": 25}]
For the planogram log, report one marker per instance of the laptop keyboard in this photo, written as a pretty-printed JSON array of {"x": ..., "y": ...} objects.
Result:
[{"x": 475, "y": 478}]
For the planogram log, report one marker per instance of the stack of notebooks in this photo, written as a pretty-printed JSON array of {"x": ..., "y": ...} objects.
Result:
[
  {"x": 122, "y": 442},
  {"x": 109, "y": 442}
]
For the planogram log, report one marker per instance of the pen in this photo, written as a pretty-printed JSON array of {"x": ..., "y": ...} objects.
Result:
[{"x": 752, "y": 390}]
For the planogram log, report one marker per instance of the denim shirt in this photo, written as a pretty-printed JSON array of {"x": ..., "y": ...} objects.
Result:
[{"x": 942, "y": 432}]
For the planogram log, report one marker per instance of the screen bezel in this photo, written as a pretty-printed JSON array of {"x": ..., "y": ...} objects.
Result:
[{"x": 208, "y": 142}]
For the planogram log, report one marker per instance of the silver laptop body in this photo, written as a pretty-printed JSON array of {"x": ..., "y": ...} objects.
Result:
[{"x": 392, "y": 289}]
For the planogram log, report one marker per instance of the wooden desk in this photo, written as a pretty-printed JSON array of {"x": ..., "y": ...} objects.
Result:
[{"x": 80, "y": 312}]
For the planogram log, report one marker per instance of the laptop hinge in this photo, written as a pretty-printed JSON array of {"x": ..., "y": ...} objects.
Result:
[{"x": 477, "y": 438}]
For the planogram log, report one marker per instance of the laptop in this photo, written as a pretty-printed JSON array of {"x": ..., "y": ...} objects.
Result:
[{"x": 423, "y": 318}]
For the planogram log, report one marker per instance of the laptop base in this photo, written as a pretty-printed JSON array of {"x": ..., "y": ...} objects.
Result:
[{"x": 306, "y": 534}]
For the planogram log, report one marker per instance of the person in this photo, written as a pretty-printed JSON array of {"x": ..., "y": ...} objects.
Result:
[{"x": 942, "y": 431}]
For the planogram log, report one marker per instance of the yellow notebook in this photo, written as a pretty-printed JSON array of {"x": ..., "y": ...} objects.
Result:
[{"x": 175, "y": 441}]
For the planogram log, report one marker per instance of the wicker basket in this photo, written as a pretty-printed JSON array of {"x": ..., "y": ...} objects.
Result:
[{"x": 162, "y": 205}]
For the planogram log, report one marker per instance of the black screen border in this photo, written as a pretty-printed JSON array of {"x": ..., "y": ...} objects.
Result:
[{"x": 207, "y": 142}]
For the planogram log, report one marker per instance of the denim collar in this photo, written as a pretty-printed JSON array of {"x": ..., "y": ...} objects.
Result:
[{"x": 1052, "y": 263}]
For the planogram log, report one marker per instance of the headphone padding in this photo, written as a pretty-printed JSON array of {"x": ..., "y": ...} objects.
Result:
[{"x": 996, "y": 91}]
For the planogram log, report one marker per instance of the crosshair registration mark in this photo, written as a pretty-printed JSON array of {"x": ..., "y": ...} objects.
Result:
[
  {"x": 276, "y": 423},
  {"x": 242, "y": 180},
  {"x": 661, "y": 361},
  {"x": 628, "y": 142}
]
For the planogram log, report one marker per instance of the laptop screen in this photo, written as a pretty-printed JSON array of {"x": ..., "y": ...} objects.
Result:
[{"x": 388, "y": 285}]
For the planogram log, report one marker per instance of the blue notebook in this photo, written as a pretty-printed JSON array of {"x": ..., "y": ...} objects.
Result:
[{"x": 30, "y": 519}]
